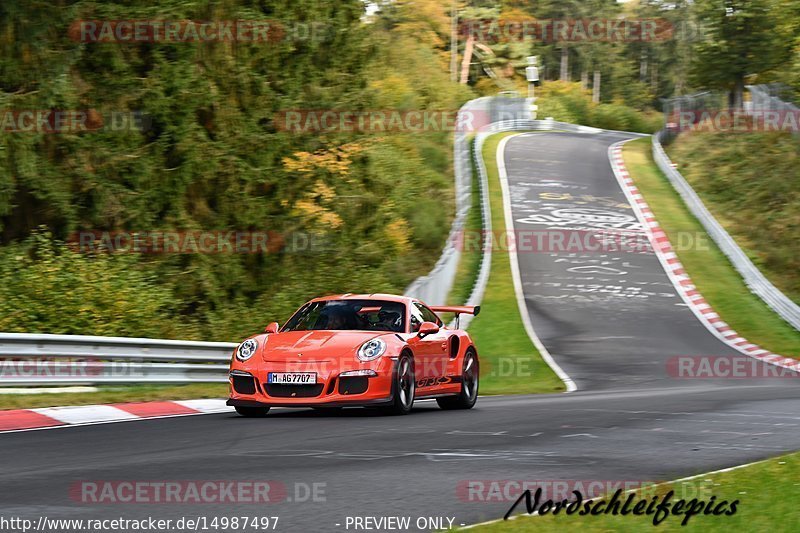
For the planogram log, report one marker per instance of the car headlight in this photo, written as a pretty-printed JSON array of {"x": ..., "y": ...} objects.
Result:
[
  {"x": 371, "y": 350},
  {"x": 246, "y": 350}
]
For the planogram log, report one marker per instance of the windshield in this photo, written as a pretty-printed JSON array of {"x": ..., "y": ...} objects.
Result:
[{"x": 369, "y": 315}]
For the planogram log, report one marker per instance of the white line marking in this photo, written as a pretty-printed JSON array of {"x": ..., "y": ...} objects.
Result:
[
  {"x": 65, "y": 426},
  {"x": 663, "y": 257},
  {"x": 206, "y": 406},
  {"x": 85, "y": 413},
  {"x": 512, "y": 257}
]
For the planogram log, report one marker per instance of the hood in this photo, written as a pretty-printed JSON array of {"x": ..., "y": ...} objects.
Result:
[{"x": 316, "y": 345}]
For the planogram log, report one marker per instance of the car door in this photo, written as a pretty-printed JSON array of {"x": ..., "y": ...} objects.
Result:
[{"x": 430, "y": 351}]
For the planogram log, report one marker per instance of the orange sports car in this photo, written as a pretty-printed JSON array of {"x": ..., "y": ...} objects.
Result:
[{"x": 372, "y": 350}]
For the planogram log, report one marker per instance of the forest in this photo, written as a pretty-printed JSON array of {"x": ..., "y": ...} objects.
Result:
[{"x": 199, "y": 144}]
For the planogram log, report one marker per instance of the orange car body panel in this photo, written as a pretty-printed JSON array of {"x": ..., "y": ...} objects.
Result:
[{"x": 438, "y": 360}]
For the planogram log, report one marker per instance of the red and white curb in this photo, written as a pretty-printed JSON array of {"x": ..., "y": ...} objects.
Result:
[
  {"x": 54, "y": 417},
  {"x": 677, "y": 274}
]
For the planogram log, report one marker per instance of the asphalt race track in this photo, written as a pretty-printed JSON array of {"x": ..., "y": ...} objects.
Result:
[{"x": 611, "y": 321}]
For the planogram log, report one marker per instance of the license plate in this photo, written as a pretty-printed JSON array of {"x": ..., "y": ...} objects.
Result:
[{"x": 292, "y": 378}]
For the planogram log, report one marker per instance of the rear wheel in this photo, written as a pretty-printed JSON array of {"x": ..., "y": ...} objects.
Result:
[
  {"x": 252, "y": 412},
  {"x": 403, "y": 388},
  {"x": 469, "y": 385}
]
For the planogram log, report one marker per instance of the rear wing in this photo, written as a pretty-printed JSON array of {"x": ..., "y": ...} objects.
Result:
[{"x": 457, "y": 310}]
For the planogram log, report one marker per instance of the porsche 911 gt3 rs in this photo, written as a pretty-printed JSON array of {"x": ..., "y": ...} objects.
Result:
[{"x": 372, "y": 350}]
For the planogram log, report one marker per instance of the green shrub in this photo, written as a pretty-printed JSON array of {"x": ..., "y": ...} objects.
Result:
[
  {"x": 48, "y": 288},
  {"x": 749, "y": 182},
  {"x": 567, "y": 102}
]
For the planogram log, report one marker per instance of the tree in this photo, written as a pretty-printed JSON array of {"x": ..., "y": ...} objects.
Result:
[{"x": 739, "y": 41}]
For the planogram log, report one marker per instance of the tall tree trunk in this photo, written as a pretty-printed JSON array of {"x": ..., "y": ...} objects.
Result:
[
  {"x": 454, "y": 42},
  {"x": 465, "y": 63},
  {"x": 564, "y": 76},
  {"x": 738, "y": 93},
  {"x": 643, "y": 66},
  {"x": 596, "y": 87},
  {"x": 584, "y": 79},
  {"x": 654, "y": 78}
]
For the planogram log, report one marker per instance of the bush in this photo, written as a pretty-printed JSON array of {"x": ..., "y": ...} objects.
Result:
[
  {"x": 567, "y": 102},
  {"x": 48, "y": 288},
  {"x": 749, "y": 181}
]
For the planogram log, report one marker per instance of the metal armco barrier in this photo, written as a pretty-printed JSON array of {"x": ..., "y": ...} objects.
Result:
[
  {"x": 766, "y": 98},
  {"x": 435, "y": 286},
  {"x": 28, "y": 359},
  {"x": 488, "y": 112},
  {"x": 755, "y": 280}
]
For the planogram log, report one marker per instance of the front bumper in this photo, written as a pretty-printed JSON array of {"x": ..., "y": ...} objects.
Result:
[
  {"x": 249, "y": 386},
  {"x": 363, "y": 402}
]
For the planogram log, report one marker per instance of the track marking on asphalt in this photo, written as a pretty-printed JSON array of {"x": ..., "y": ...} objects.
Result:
[
  {"x": 710, "y": 421},
  {"x": 83, "y": 414},
  {"x": 743, "y": 413},
  {"x": 39, "y": 419},
  {"x": 84, "y": 424},
  {"x": 677, "y": 274},
  {"x": 515, "y": 274},
  {"x": 206, "y": 406}
]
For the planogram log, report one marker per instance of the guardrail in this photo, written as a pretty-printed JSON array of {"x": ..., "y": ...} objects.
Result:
[
  {"x": 765, "y": 98},
  {"x": 434, "y": 287},
  {"x": 755, "y": 280},
  {"x": 28, "y": 359}
]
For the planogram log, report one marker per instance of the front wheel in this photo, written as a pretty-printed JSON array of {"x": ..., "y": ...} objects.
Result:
[
  {"x": 403, "y": 388},
  {"x": 469, "y": 385},
  {"x": 252, "y": 412}
]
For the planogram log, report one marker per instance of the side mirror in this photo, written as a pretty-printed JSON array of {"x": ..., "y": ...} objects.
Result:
[
  {"x": 427, "y": 328},
  {"x": 272, "y": 328}
]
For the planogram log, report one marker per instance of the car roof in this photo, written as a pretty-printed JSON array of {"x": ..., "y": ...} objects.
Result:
[{"x": 374, "y": 296}]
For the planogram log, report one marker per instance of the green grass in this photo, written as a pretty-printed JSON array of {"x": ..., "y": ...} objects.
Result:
[
  {"x": 118, "y": 394},
  {"x": 708, "y": 267},
  {"x": 749, "y": 182},
  {"x": 510, "y": 364},
  {"x": 767, "y": 492}
]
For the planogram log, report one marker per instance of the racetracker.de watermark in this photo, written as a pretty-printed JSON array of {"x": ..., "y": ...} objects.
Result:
[
  {"x": 50, "y": 367},
  {"x": 195, "y": 492},
  {"x": 735, "y": 121},
  {"x": 196, "y": 242},
  {"x": 301, "y": 121},
  {"x": 60, "y": 121},
  {"x": 129, "y": 31},
  {"x": 569, "y": 30},
  {"x": 22, "y": 370},
  {"x": 570, "y": 241},
  {"x": 430, "y": 371},
  {"x": 726, "y": 367},
  {"x": 552, "y": 241},
  {"x": 510, "y": 490}
]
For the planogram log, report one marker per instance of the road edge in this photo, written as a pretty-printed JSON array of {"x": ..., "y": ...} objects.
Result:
[
  {"x": 678, "y": 276},
  {"x": 41, "y": 418},
  {"x": 516, "y": 278}
]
